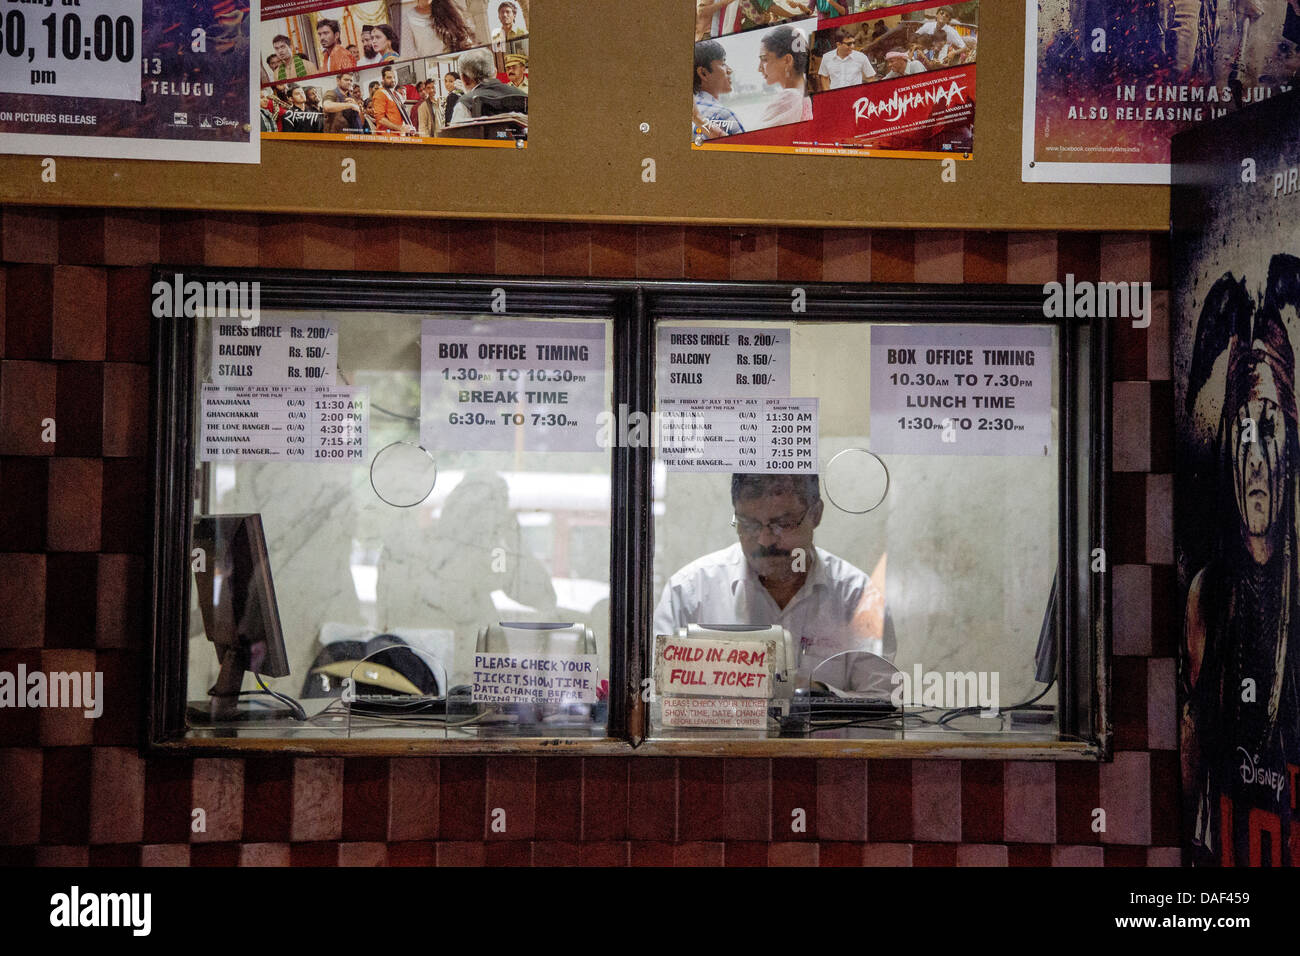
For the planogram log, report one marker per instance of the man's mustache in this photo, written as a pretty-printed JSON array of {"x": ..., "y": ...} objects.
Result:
[{"x": 770, "y": 553}]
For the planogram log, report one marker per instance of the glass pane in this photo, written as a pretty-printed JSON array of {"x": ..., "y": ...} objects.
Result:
[
  {"x": 372, "y": 584},
  {"x": 908, "y": 550}
]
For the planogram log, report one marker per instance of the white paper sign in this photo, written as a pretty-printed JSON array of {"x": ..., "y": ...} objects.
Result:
[
  {"x": 535, "y": 678},
  {"x": 714, "y": 668},
  {"x": 507, "y": 385},
  {"x": 58, "y": 50},
  {"x": 961, "y": 389},
  {"x": 284, "y": 423},
  {"x": 695, "y": 362},
  {"x": 275, "y": 353},
  {"x": 737, "y": 712},
  {"x": 753, "y": 435}
]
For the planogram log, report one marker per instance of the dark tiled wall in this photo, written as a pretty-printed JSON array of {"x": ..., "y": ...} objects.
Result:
[{"x": 75, "y": 529}]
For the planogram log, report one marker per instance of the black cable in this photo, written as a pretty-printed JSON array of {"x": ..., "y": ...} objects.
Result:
[
  {"x": 404, "y": 418},
  {"x": 295, "y": 708},
  {"x": 379, "y": 408},
  {"x": 964, "y": 711}
]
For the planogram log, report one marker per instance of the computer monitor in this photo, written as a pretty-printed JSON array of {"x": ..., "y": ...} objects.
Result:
[{"x": 236, "y": 597}]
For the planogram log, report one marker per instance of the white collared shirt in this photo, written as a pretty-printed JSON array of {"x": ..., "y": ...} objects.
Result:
[
  {"x": 950, "y": 32},
  {"x": 837, "y": 609},
  {"x": 846, "y": 71}
]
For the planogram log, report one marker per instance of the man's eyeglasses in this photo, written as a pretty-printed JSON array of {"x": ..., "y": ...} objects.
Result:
[{"x": 749, "y": 527}]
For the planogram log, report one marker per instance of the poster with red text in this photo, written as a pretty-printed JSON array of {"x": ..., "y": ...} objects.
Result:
[
  {"x": 1234, "y": 321},
  {"x": 835, "y": 77},
  {"x": 1108, "y": 82}
]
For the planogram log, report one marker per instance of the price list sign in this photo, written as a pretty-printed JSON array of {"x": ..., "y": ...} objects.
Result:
[
  {"x": 694, "y": 361},
  {"x": 511, "y": 385},
  {"x": 284, "y": 423},
  {"x": 270, "y": 353},
  {"x": 961, "y": 390},
  {"x": 753, "y": 435}
]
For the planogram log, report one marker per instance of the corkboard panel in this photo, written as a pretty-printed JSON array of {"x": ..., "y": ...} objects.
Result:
[{"x": 601, "y": 68}]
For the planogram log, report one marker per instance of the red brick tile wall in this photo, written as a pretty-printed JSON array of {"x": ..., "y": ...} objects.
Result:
[{"x": 75, "y": 528}]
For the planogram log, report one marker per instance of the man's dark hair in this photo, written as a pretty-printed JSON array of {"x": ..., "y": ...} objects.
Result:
[
  {"x": 843, "y": 33},
  {"x": 277, "y": 39},
  {"x": 706, "y": 54},
  {"x": 947, "y": 10},
  {"x": 386, "y": 70},
  {"x": 273, "y": 59},
  {"x": 453, "y": 74},
  {"x": 332, "y": 24},
  {"x": 807, "y": 487}
]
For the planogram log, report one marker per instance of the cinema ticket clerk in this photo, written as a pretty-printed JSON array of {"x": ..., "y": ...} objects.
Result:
[{"x": 776, "y": 576}]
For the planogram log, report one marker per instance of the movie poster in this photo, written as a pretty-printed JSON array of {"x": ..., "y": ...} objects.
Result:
[
  {"x": 1108, "y": 82},
  {"x": 835, "y": 77},
  {"x": 399, "y": 72},
  {"x": 1235, "y": 324},
  {"x": 130, "y": 79}
]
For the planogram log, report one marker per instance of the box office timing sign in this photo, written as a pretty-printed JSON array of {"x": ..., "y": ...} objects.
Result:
[
  {"x": 507, "y": 385},
  {"x": 961, "y": 390}
]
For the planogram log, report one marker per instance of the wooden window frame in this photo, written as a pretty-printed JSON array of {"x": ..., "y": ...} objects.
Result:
[{"x": 634, "y": 306}]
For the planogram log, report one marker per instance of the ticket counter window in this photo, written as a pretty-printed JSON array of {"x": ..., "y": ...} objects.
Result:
[
  {"x": 401, "y": 526},
  {"x": 855, "y": 528}
]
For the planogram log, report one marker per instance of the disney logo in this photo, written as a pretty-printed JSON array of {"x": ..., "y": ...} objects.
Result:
[{"x": 1272, "y": 779}]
